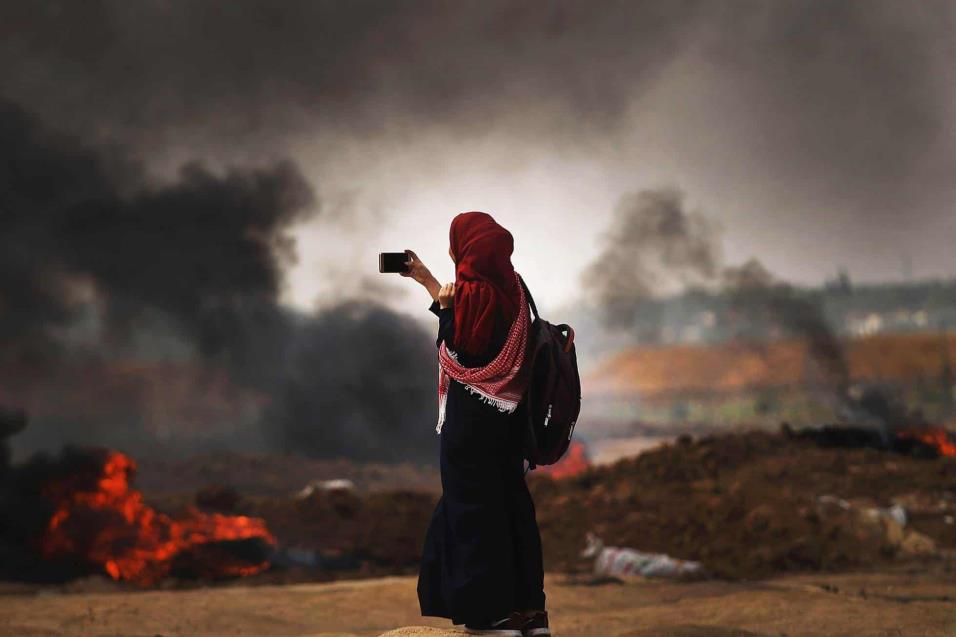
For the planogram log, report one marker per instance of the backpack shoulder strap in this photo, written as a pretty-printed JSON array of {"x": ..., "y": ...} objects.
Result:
[{"x": 530, "y": 298}]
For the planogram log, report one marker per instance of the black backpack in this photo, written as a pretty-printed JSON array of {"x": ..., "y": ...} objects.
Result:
[{"x": 553, "y": 399}]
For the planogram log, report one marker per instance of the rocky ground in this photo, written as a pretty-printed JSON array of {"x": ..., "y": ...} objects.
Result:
[{"x": 852, "y": 605}]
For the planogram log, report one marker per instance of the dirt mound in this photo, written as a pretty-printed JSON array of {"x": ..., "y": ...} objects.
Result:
[
  {"x": 748, "y": 505},
  {"x": 275, "y": 475}
]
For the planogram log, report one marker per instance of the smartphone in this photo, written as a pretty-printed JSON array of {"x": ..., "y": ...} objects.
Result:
[{"x": 392, "y": 262}]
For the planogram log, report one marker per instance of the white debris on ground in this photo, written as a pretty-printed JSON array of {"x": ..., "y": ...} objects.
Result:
[
  {"x": 616, "y": 561},
  {"x": 290, "y": 556},
  {"x": 338, "y": 484},
  {"x": 878, "y": 524}
]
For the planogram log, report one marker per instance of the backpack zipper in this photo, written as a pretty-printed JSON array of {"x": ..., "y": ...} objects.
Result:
[{"x": 548, "y": 417}]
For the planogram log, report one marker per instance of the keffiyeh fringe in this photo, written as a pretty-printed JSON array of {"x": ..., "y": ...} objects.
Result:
[{"x": 502, "y": 404}]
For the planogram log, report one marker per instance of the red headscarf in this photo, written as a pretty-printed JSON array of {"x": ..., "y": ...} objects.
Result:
[{"x": 486, "y": 285}]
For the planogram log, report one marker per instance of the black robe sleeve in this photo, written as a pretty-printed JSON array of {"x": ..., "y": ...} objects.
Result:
[{"x": 446, "y": 323}]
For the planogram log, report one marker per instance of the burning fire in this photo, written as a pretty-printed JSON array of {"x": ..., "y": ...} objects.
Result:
[
  {"x": 575, "y": 461},
  {"x": 935, "y": 437},
  {"x": 107, "y": 524}
]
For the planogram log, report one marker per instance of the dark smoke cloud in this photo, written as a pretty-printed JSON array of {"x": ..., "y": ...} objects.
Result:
[
  {"x": 268, "y": 70},
  {"x": 197, "y": 250},
  {"x": 847, "y": 92},
  {"x": 103, "y": 270},
  {"x": 653, "y": 244},
  {"x": 358, "y": 381},
  {"x": 823, "y": 121},
  {"x": 854, "y": 78},
  {"x": 799, "y": 316}
]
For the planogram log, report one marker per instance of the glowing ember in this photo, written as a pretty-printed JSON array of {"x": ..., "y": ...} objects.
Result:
[
  {"x": 935, "y": 437},
  {"x": 574, "y": 461},
  {"x": 105, "y": 523}
]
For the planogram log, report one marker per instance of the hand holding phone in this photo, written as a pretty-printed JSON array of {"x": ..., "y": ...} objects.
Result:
[
  {"x": 418, "y": 271},
  {"x": 393, "y": 262},
  {"x": 405, "y": 263},
  {"x": 409, "y": 265}
]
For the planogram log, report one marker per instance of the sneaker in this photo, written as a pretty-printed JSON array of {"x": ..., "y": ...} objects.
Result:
[
  {"x": 537, "y": 625},
  {"x": 510, "y": 625}
]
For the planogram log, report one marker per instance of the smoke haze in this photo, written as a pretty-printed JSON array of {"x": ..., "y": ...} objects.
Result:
[
  {"x": 657, "y": 246},
  {"x": 654, "y": 246},
  {"x": 195, "y": 191}
]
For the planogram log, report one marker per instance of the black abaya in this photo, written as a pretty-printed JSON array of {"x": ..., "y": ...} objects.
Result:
[{"x": 482, "y": 553}]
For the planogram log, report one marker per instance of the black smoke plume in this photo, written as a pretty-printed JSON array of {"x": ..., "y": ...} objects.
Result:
[
  {"x": 104, "y": 269},
  {"x": 368, "y": 371},
  {"x": 654, "y": 244},
  {"x": 200, "y": 251}
]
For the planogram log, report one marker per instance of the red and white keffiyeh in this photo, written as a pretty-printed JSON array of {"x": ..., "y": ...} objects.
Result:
[{"x": 503, "y": 381}]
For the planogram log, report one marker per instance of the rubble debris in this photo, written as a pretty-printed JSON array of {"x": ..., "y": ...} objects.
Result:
[
  {"x": 298, "y": 556},
  {"x": 613, "y": 561},
  {"x": 915, "y": 543},
  {"x": 316, "y": 486},
  {"x": 375, "y": 533},
  {"x": 894, "y": 512},
  {"x": 885, "y": 525},
  {"x": 745, "y": 505}
]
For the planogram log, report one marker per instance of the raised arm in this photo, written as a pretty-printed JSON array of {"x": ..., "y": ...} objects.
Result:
[{"x": 420, "y": 273}]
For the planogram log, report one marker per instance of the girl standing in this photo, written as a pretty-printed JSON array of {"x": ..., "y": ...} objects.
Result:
[{"x": 481, "y": 563}]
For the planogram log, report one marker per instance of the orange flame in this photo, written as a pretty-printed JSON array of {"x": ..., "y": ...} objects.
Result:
[
  {"x": 935, "y": 437},
  {"x": 110, "y": 526},
  {"x": 574, "y": 461}
]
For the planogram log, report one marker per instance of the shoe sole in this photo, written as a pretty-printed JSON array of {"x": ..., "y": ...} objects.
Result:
[
  {"x": 495, "y": 631},
  {"x": 537, "y": 632}
]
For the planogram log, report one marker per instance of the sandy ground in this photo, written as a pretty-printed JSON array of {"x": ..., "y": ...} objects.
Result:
[{"x": 853, "y": 605}]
